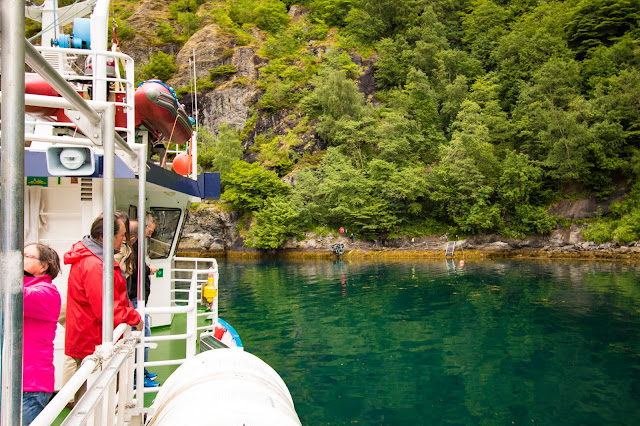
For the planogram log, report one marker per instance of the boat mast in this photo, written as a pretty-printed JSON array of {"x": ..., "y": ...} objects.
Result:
[{"x": 12, "y": 209}]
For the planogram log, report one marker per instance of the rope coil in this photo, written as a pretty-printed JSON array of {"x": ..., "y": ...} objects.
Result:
[{"x": 103, "y": 354}]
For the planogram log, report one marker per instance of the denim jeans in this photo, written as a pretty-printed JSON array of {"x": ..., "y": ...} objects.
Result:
[
  {"x": 147, "y": 330},
  {"x": 32, "y": 404}
]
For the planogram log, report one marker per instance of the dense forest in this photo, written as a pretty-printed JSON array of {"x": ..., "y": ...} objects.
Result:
[{"x": 484, "y": 113}]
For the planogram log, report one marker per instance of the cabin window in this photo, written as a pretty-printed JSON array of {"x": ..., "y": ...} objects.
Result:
[{"x": 162, "y": 239}]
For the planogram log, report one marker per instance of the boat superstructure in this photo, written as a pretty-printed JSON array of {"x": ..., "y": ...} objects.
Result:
[{"x": 74, "y": 146}]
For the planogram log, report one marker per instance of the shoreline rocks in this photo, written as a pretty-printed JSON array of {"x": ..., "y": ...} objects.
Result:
[{"x": 215, "y": 232}]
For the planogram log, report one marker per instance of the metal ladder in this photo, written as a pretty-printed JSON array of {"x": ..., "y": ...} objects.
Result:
[{"x": 451, "y": 248}]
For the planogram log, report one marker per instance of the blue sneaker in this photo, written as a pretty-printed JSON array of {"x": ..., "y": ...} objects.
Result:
[
  {"x": 148, "y": 383},
  {"x": 150, "y": 376}
]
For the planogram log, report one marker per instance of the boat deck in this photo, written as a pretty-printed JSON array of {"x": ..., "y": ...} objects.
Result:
[{"x": 165, "y": 350}]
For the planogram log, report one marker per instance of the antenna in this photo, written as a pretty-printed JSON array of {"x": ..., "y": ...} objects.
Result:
[
  {"x": 195, "y": 88},
  {"x": 194, "y": 147}
]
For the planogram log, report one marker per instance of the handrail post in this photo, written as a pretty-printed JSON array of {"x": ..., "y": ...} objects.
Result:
[
  {"x": 142, "y": 250},
  {"x": 192, "y": 318},
  {"x": 12, "y": 210}
]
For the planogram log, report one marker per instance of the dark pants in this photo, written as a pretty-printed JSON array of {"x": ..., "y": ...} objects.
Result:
[
  {"x": 32, "y": 404},
  {"x": 147, "y": 332}
]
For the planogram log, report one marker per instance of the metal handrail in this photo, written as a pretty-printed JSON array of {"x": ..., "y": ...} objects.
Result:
[
  {"x": 86, "y": 370},
  {"x": 190, "y": 336}
]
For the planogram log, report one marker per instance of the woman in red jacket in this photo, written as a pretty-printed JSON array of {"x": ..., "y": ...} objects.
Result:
[
  {"x": 84, "y": 294},
  {"x": 41, "y": 311}
]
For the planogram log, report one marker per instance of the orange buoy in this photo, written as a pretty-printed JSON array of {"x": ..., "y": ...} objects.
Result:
[
  {"x": 461, "y": 262},
  {"x": 182, "y": 164}
]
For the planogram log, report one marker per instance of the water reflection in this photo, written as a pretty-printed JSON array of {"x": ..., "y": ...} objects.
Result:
[{"x": 437, "y": 342}]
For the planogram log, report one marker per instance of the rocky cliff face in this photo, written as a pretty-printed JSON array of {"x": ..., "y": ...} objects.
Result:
[
  {"x": 229, "y": 102},
  {"x": 209, "y": 229},
  {"x": 145, "y": 20},
  {"x": 233, "y": 96}
]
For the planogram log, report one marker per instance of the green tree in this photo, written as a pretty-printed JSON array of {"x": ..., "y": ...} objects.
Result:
[
  {"x": 339, "y": 194},
  {"x": 363, "y": 27},
  {"x": 534, "y": 38},
  {"x": 617, "y": 100},
  {"x": 417, "y": 101},
  {"x": 219, "y": 153},
  {"x": 472, "y": 134},
  {"x": 405, "y": 187},
  {"x": 332, "y": 12},
  {"x": 164, "y": 30},
  {"x": 520, "y": 193},
  {"x": 182, "y": 6},
  {"x": 520, "y": 182},
  {"x": 485, "y": 93},
  {"x": 242, "y": 11},
  {"x": 160, "y": 66},
  {"x": 356, "y": 138},
  {"x": 190, "y": 23},
  {"x": 399, "y": 139},
  {"x": 393, "y": 63},
  {"x": 271, "y": 15},
  {"x": 601, "y": 22},
  {"x": 460, "y": 192},
  {"x": 278, "y": 220},
  {"x": 335, "y": 96},
  {"x": 248, "y": 186},
  {"x": 451, "y": 97},
  {"x": 483, "y": 26},
  {"x": 605, "y": 62}
]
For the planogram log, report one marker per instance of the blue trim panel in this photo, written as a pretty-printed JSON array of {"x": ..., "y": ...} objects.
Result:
[
  {"x": 172, "y": 180},
  {"x": 209, "y": 185},
  {"x": 206, "y": 187},
  {"x": 232, "y": 331}
]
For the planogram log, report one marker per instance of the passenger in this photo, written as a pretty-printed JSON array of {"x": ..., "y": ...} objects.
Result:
[
  {"x": 84, "y": 294},
  {"x": 41, "y": 310},
  {"x": 125, "y": 256},
  {"x": 132, "y": 287}
]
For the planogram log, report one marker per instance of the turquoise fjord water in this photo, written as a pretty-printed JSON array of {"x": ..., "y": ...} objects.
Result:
[{"x": 394, "y": 343}]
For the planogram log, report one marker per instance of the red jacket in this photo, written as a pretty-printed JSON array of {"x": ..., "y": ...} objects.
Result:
[
  {"x": 41, "y": 311},
  {"x": 84, "y": 299}
]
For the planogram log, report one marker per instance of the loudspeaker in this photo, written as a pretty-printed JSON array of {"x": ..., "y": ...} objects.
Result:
[{"x": 70, "y": 161}]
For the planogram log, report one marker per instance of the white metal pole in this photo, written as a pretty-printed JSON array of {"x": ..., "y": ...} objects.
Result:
[
  {"x": 12, "y": 210},
  {"x": 108, "y": 135},
  {"x": 99, "y": 34},
  {"x": 142, "y": 240},
  {"x": 192, "y": 318}
]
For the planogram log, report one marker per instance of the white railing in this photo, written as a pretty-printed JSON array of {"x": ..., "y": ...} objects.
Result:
[
  {"x": 195, "y": 276},
  {"x": 123, "y": 86},
  {"x": 198, "y": 264},
  {"x": 108, "y": 374}
]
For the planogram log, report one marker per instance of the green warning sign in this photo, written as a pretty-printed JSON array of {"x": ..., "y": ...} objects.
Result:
[{"x": 37, "y": 181}]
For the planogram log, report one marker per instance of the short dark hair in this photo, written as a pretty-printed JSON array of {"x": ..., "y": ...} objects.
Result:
[
  {"x": 49, "y": 256},
  {"x": 98, "y": 223}
]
